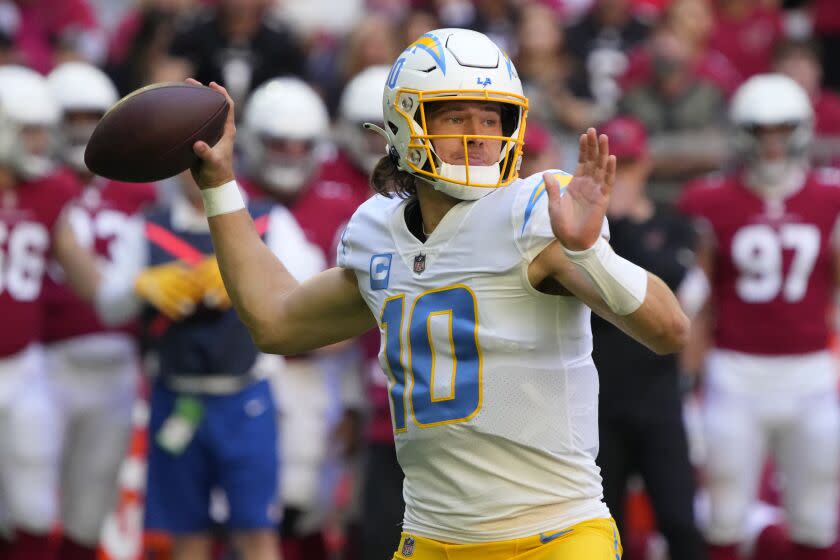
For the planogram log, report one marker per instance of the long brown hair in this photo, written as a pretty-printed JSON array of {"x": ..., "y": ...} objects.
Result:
[{"x": 388, "y": 180}]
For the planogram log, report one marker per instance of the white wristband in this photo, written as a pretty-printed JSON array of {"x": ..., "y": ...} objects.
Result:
[
  {"x": 622, "y": 284},
  {"x": 222, "y": 200}
]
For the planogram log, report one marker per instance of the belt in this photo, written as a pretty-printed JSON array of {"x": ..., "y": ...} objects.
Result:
[{"x": 209, "y": 384}]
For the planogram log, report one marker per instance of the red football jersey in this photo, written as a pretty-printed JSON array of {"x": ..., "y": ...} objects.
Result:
[
  {"x": 748, "y": 41},
  {"x": 322, "y": 210},
  {"x": 341, "y": 171},
  {"x": 28, "y": 214},
  {"x": 773, "y": 273},
  {"x": 97, "y": 216}
]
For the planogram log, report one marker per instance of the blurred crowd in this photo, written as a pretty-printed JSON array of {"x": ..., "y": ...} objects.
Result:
[{"x": 305, "y": 74}]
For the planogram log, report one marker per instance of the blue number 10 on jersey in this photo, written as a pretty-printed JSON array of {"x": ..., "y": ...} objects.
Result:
[{"x": 459, "y": 305}]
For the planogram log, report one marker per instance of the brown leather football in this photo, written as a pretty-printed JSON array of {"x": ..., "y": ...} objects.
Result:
[{"x": 149, "y": 134}]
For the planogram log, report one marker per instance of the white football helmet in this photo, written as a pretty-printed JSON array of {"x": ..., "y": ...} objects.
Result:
[
  {"x": 283, "y": 109},
  {"x": 84, "y": 94},
  {"x": 772, "y": 100},
  {"x": 26, "y": 102},
  {"x": 361, "y": 102},
  {"x": 449, "y": 64}
]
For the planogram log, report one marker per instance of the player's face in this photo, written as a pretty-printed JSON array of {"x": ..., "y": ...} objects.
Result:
[
  {"x": 466, "y": 118},
  {"x": 36, "y": 140},
  {"x": 773, "y": 141},
  {"x": 79, "y": 126},
  {"x": 284, "y": 148}
]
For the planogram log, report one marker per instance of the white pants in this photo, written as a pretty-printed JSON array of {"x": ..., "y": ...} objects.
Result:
[
  {"x": 784, "y": 405},
  {"x": 307, "y": 393},
  {"x": 28, "y": 450},
  {"x": 65, "y": 418}
]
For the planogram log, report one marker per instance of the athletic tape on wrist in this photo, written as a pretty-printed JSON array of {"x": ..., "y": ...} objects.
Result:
[
  {"x": 622, "y": 284},
  {"x": 222, "y": 200}
]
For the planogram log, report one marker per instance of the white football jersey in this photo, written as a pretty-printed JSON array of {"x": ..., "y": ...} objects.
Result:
[{"x": 494, "y": 395}]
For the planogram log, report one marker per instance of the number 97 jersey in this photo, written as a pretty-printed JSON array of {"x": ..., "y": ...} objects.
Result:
[
  {"x": 493, "y": 390},
  {"x": 773, "y": 275}
]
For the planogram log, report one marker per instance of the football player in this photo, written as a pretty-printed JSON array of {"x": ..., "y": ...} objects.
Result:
[
  {"x": 33, "y": 195},
  {"x": 91, "y": 369},
  {"x": 283, "y": 129},
  {"x": 481, "y": 284},
  {"x": 359, "y": 149},
  {"x": 770, "y": 254}
]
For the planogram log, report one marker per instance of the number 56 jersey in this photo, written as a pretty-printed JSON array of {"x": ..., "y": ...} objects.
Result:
[
  {"x": 494, "y": 395},
  {"x": 773, "y": 276}
]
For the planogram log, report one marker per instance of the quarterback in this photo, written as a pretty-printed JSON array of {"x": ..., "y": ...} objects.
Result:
[{"x": 481, "y": 284}]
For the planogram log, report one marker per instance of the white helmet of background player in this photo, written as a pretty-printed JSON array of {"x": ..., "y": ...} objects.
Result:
[
  {"x": 28, "y": 117},
  {"x": 361, "y": 102},
  {"x": 84, "y": 94},
  {"x": 772, "y": 100},
  {"x": 444, "y": 65},
  {"x": 284, "y": 120}
]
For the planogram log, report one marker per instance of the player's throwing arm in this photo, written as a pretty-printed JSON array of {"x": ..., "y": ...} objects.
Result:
[{"x": 283, "y": 316}]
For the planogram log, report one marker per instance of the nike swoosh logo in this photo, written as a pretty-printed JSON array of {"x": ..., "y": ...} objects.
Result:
[{"x": 548, "y": 538}]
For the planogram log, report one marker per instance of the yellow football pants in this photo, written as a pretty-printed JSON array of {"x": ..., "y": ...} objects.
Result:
[{"x": 596, "y": 539}]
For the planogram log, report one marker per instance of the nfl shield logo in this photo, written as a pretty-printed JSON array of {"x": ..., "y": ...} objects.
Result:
[
  {"x": 419, "y": 263},
  {"x": 408, "y": 546}
]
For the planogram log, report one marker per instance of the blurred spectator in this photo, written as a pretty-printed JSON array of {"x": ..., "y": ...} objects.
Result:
[
  {"x": 541, "y": 151},
  {"x": 650, "y": 10},
  {"x": 641, "y": 427},
  {"x": 677, "y": 105},
  {"x": 374, "y": 41},
  {"x": 545, "y": 68},
  {"x": 283, "y": 125},
  {"x": 599, "y": 44},
  {"x": 47, "y": 32},
  {"x": 315, "y": 17},
  {"x": 691, "y": 21},
  {"x": 111, "y": 12},
  {"x": 745, "y": 31},
  {"x": 417, "y": 23},
  {"x": 825, "y": 15},
  {"x": 8, "y": 55},
  {"x": 495, "y": 19},
  {"x": 239, "y": 45},
  {"x": 391, "y": 10},
  {"x": 800, "y": 60},
  {"x": 139, "y": 50},
  {"x": 454, "y": 13}
]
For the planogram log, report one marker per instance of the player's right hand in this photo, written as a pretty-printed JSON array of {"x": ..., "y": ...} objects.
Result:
[
  {"x": 170, "y": 288},
  {"x": 215, "y": 165}
]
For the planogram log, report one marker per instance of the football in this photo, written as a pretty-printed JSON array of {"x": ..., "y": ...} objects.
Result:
[{"x": 149, "y": 134}]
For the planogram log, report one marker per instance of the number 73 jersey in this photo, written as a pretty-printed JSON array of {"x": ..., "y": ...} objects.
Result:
[
  {"x": 492, "y": 387},
  {"x": 773, "y": 279}
]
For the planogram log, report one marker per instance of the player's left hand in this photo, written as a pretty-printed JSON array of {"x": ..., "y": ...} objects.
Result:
[
  {"x": 577, "y": 216},
  {"x": 209, "y": 277}
]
